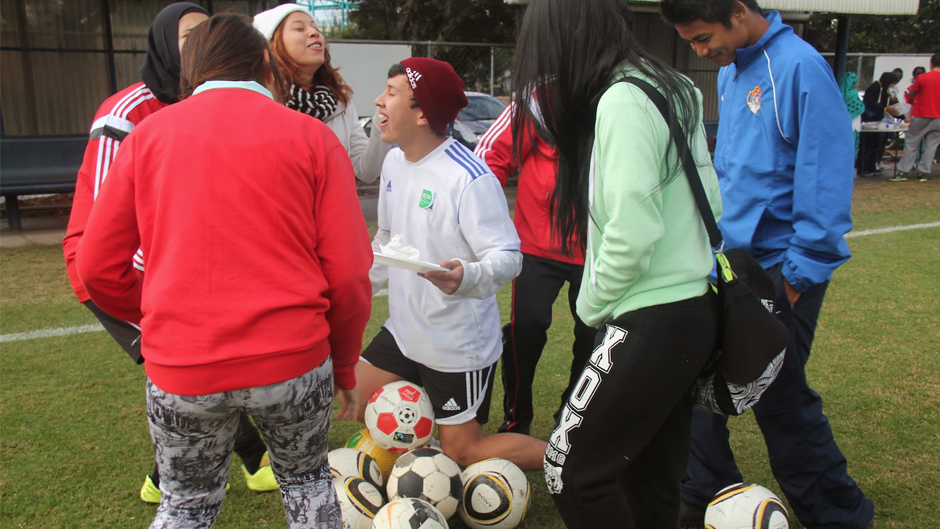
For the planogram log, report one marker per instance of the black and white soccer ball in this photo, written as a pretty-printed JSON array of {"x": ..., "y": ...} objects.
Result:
[
  {"x": 409, "y": 513},
  {"x": 352, "y": 463},
  {"x": 428, "y": 474},
  {"x": 359, "y": 501},
  {"x": 495, "y": 495},
  {"x": 746, "y": 506}
]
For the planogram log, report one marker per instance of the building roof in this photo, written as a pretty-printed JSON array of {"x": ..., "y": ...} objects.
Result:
[{"x": 842, "y": 7}]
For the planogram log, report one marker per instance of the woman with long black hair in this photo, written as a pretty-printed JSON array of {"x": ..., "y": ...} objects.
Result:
[{"x": 620, "y": 450}]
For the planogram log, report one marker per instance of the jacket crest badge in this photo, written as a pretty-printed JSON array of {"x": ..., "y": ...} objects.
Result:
[{"x": 753, "y": 100}]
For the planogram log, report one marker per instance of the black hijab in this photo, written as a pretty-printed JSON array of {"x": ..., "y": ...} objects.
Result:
[{"x": 161, "y": 68}]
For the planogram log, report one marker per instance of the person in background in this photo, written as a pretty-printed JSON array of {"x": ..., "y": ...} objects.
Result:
[
  {"x": 255, "y": 296},
  {"x": 914, "y": 73},
  {"x": 896, "y": 100},
  {"x": 545, "y": 268},
  {"x": 871, "y": 144},
  {"x": 925, "y": 123},
  {"x": 316, "y": 87},
  {"x": 853, "y": 103},
  {"x": 115, "y": 119},
  {"x": 619, "y": 451},
  {"x": 907, "y": 98},
  {"x": 784, "y": 162},
  {"x": 443, "y": 326}
]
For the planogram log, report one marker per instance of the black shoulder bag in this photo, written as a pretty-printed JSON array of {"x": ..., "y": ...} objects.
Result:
[{"x": 752, "y": 341}]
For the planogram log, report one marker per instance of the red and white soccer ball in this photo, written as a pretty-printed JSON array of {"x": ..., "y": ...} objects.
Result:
[
  {"x": 746, "y": 506},
  {"x": 400, "y": 417},
  {"x": 495, "y": 495}
]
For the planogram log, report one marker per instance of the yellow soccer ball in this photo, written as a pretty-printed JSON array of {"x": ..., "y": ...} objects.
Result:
[{"x": 363, "y": 442}]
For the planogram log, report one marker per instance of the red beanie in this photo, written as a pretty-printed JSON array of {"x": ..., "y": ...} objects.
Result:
[{"x": 438, "y": 89}]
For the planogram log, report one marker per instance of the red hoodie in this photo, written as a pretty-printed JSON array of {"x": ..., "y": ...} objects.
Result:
[
  {"x": 257, "y": 252},
  {"x": 536, "y": 182}
]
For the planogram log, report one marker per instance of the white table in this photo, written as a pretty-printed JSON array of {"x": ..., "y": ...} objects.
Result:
[{"x": 883, "y": 127}]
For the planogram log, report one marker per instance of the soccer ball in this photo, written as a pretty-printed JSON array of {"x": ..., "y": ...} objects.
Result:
[
  {"x": 359, "y": 501},
  {"x": 349, "y": 462},
  {"x": 363, "y": 441},
  {"x": 746, "y": 506},
  {"x": 400, "y": 417},
  {"x": 409, "y": 513},
  {"x": 495, "y": 494},
  {"x": 428, "y": 474}
]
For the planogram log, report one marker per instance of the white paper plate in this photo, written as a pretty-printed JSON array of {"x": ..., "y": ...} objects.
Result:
[{"x": 408, "y": 264}]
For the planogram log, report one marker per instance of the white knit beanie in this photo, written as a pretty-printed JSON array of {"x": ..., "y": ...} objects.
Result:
[{"x": 267, "y": 21}]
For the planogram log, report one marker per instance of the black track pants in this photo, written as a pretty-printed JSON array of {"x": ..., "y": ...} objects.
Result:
[
  {"x": 533, "y": 294},
  {"x": 620, "y": 451}
]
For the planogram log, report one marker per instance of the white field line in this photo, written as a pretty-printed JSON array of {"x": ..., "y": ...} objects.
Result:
[
  {"x": 892, "y": 229},
  {"x": 47, "y": 333},
  {"x": 81, "y": 329},
  {"x": 65, "y": 331}
]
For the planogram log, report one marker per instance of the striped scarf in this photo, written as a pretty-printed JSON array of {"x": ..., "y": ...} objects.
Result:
[{"x": 319, "y": 102}]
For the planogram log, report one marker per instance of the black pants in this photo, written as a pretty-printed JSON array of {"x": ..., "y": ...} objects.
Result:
[
  {"x": 804, "y": 457},
  {"x": 248, "y": 443},
  {"x": 619, "y": 453},
  {"x": 869, "y": 144},
  {"x": 533, "y": 294}
]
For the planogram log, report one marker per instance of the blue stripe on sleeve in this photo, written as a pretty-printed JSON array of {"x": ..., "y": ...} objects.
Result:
[
  {"x": 465, "y": 158},
  {"x": 462, "y": 150}
]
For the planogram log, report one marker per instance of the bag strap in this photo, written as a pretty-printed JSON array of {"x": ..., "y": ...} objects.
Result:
[{"x": 695, "y": 182}]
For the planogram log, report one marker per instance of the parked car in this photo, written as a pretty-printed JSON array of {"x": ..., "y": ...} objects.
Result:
[{"x": 472, "y": 122}]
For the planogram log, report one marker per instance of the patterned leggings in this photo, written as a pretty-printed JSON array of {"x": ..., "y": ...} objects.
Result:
[{"x": 193, "y": 438}]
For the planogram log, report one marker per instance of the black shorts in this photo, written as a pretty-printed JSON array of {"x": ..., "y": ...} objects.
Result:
[
  {"x": 456, "y": 397},
  {"x": 125, "y": 334}
]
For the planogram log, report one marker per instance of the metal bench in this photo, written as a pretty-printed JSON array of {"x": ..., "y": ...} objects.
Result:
[{"x": 37, "y": 165}]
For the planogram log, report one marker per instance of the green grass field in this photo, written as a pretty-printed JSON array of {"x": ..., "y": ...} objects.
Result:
[{"x": 74, "y": 446}]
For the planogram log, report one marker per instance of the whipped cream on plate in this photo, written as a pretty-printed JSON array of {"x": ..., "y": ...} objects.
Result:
[{"x": 395, "y": 248}]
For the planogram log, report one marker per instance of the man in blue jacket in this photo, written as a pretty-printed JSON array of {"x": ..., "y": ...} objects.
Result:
[{"x": 784, "y": 157}]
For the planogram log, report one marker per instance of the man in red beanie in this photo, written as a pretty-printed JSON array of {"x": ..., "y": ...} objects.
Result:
[{"x": 443, "y": 330}]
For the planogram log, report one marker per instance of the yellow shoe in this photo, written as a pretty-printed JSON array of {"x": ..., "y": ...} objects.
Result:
[
  {"x": 262, "y": 480},
  {"x": 149, "y": 493}
]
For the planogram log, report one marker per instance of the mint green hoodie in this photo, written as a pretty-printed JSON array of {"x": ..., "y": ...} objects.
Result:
[{"x": 645, "y": 246}]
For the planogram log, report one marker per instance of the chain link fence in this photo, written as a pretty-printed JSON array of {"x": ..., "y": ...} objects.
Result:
[
  {"x": 488, "y": 67},
  {"x": 863, "y": 64},
  {"x": 483, "y": 67}
]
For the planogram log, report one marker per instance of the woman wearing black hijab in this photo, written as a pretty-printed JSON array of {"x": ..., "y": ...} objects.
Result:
[
  {"x": 115, "y": 119},
  {"x": 870, "y": 149}
]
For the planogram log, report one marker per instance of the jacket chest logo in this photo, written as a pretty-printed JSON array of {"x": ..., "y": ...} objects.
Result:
[
  {"x": 427, "y": 200},
  {"x": 753, "y": 100}
]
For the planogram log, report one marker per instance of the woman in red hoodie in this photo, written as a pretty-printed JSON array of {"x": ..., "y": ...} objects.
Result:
[
  {"x": 256, "y": 293},
  {"x": 115, "y": 119}
]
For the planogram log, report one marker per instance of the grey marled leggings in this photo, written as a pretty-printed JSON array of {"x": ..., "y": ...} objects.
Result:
[{"x": 193, "y": 438}]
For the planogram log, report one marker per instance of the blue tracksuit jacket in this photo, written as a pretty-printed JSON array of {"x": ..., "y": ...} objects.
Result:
[{"x": 785, "y": 157}]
